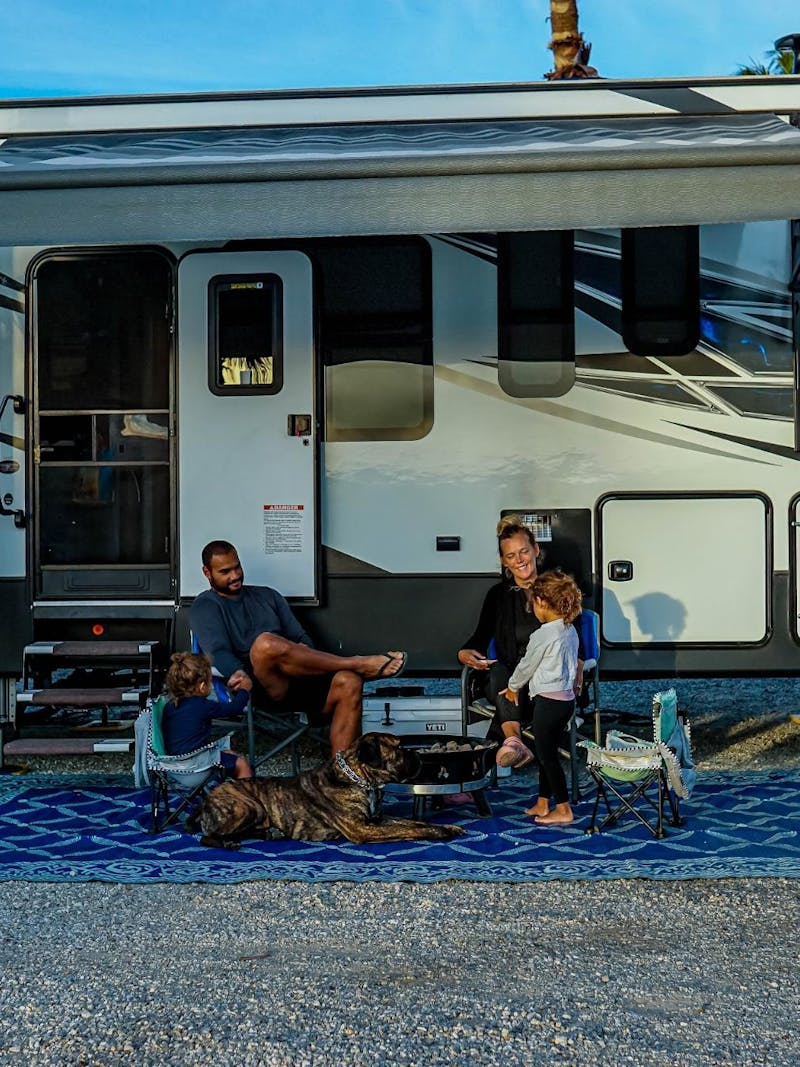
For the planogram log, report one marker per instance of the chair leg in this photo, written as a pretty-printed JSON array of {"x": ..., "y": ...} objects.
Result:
[
  {"x": 627, "y": 803},
  {"x": 674, "y": 805},
  {"x": 482, "y": 803},
  {"x": 159, "y": 796},
  {"x": 251, "y": 737},
  {"x": 189, "y": 798},
  {"x": 154, "y": 805},
  {"x": 592, "y": 827},
  {"x": 290, "y": 742},
  {"x": 573, "y": 761}
]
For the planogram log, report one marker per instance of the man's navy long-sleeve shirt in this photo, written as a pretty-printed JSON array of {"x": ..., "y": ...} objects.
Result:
[{"x": 225, "y": 627}]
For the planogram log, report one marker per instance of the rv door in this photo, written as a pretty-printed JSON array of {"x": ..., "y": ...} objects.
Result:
[{"x": 247, "y": 417}]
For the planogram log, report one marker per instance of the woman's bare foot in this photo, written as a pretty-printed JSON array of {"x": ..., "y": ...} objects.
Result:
[
  {"x": 541, "y": 807},
  {"x": 386, "y": 665},
  {"x": 561, "y": 815}
]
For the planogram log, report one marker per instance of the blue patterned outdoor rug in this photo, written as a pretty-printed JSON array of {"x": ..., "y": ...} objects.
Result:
[{"x": 93, "y": 828}]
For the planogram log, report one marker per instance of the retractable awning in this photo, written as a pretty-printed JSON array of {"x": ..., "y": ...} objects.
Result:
[{"x": 411, "y": 177}]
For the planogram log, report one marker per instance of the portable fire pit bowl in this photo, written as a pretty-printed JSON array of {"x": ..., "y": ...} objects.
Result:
[{"x": 448, "y": 765}]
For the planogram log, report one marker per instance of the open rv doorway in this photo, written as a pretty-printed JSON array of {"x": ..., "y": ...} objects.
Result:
[
  {"x": 247, "y": 417},
  {"x": 100, "y": 425}
]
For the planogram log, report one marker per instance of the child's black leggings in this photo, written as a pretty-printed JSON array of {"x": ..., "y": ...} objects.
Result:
[{"x": 550, "y": 718}]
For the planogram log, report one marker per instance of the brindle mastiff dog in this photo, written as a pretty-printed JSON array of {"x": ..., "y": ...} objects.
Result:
[{"x": 339, "y": 799}]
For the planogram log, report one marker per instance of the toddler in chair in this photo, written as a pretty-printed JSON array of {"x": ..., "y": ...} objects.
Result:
[{"x": 186, "y": 719}]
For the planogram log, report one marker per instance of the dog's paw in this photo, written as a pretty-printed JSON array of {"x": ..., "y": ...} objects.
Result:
[
  {"x": 212, "y": 841},
  {"x": 448, "y": 832}
]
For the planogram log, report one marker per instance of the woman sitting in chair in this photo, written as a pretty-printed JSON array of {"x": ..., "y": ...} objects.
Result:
[
  {"x": 505, "y": 618},
  {"x": 186, "y": 720}
]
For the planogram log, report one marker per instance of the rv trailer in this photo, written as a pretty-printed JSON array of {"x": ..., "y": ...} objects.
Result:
[{"x": 348, "y": 329}]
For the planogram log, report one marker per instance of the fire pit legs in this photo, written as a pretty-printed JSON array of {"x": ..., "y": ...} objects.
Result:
[{"x": 425, "y": 792}]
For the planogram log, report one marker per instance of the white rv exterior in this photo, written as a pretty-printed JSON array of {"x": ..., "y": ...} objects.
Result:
[{"x": 364, "y": 475}]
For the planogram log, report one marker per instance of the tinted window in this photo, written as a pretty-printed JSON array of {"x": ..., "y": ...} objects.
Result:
[
  {"x": 103, "y": 332},
  {"x": 375, "y": 335},
  {"x": 536, "y": 330},
  {"x": 245, "y": 334}
]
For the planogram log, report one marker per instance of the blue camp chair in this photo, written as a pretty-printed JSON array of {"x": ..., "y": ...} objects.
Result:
[
  {"x": 637, "y": 771},
  {"x": 285, "y": 726},
  {"x": 476, "y": 706}
]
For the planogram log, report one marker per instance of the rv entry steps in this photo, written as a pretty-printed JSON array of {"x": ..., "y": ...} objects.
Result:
[
  {"x": 64, "y": 746},
  {"x": 86, "y": 674},
  {"x": 79, "y": 698},
  {"x": 90, "y": 650}
]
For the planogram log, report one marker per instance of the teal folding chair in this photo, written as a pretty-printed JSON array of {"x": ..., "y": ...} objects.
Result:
[
  {"x": 185, "y": 777},
  {"x": 641, "y": 774}
]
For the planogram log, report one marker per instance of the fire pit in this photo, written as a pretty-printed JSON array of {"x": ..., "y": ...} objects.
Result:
[{"x": 448, "y": 765}]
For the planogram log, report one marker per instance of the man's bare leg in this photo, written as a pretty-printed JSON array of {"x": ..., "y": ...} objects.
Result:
[
  {"x": 344, "y": 707},
  {"x": 275, "y": 661}
]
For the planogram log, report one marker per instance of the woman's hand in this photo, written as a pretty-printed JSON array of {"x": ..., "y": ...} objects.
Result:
[
  {"x": 511, "y": 695},
  {"x": 470, "y": 657}
]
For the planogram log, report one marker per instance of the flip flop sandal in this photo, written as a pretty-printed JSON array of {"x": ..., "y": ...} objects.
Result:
[{"x": 402, "y": 656}]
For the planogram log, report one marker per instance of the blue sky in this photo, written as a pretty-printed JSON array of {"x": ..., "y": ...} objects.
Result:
[{"x": 85, "y": 47}]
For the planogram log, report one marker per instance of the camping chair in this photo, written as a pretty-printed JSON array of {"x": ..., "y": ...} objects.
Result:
[
  {"x": 475, "y": 705},
  {"x": 632, "y": 769},
  {"x": 189, "y": 775},
  {"x": 285, "y": 726}
]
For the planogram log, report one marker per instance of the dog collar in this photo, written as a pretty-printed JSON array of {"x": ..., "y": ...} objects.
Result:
[
  {"x": 348, "y": 771},
  {"x": 373, "y": 792}
]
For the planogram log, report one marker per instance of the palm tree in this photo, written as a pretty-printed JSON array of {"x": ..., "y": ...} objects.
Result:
[
  {"x": 778, "y": 62},
  {"x": 570, "y": 51}
]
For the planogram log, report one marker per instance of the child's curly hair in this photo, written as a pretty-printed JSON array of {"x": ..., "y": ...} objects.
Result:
[
  {"x": 188, "y": 672},
  {"x": 560, "y": 593}
]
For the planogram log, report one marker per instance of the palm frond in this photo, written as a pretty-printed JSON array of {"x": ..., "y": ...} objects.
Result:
[{"x": 776, "y": 63}]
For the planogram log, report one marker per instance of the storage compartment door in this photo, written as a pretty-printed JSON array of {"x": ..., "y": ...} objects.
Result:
[
  {"x": 247, "y": 417},
  {"x": 685, "y": 570},
  {"x": 794, "y": 566}
]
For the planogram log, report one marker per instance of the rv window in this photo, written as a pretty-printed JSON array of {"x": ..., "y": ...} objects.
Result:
[
  {"x": 661, "y": 290},
  {"x": 102, "y": 331},
  {"x": 245, "y": 335},
  {"x": 536, "y": 329},
  {"x": 375, "y": 333}
]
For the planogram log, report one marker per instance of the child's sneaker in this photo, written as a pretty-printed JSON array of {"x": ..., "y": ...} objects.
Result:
[{"x": 512, "y": 753}]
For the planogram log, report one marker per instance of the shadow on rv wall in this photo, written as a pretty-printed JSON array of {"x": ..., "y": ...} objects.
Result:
[{"x": 660, "y": 616}]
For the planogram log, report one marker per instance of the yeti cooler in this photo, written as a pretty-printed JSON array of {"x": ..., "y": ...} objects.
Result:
[{"x": 432, "y": 716}]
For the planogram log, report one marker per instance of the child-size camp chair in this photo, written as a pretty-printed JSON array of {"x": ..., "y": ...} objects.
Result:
[
  {"x": 285, "y": 727},
  {"x": 634, "y": 770},
  {"x": 187, "y": 775},
  {"x": 475, "y": 705}
]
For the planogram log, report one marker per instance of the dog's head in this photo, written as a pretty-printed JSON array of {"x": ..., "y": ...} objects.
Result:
[{"x": 380, "y": 758}]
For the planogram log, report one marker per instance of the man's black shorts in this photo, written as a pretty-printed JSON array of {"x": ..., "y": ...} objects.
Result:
[{"x": 306, "y": 695}]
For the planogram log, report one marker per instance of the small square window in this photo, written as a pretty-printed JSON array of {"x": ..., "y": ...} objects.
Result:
[{"x": 245, "y": 334}]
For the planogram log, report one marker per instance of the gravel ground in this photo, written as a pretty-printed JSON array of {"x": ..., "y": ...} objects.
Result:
[{"x": 618, "y": 972}]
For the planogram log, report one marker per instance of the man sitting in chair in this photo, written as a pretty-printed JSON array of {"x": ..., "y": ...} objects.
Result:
[{"x": 251, "y": 636}]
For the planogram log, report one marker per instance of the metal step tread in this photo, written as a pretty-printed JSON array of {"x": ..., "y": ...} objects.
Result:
[
  {"x": 60, "y": 746},
  {"x": 91, "y": 649},
  {"x": 80, "y": 697}
]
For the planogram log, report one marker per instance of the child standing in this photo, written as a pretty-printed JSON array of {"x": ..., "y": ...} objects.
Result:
[
  {"x": 548, "y": 669},
  {"x": 186, "y": 720}
]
